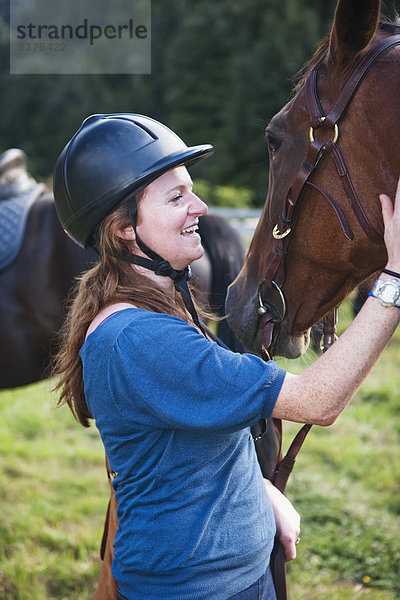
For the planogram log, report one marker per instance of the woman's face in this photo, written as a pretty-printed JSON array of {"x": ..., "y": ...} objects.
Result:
[{"x": 168, "y": 216}]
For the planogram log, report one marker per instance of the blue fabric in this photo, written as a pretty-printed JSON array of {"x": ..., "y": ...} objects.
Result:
[
  {"x": 13, "y": 218},
  {"x": 174, "y": 412},
  {"x": 262, "y": 589}
]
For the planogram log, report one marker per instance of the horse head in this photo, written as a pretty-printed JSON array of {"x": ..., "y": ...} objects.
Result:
[{"x": 332, "y": 149}]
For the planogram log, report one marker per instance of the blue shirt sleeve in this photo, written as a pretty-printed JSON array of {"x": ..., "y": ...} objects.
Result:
[{"x": 163, "y": 373}]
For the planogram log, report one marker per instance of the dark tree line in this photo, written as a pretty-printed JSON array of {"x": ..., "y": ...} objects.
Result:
[{"x": 220, "y": 70}]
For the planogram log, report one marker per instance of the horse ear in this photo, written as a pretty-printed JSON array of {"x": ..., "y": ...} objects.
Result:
[{"x": 353, "y": 28}]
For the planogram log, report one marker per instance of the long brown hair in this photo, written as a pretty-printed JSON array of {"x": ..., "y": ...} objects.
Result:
[{"x": 108, "y": 282}]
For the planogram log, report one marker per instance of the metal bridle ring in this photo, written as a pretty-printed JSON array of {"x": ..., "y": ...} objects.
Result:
[
  {"x": 280, "y": 236},
  {"x": 264, "y": 308},
  {"x": 335, "y": 129},
  {"x": 322, "y": 342}
]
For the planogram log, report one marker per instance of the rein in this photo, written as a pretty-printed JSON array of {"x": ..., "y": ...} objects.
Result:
[{"x": 272, "y": 305}]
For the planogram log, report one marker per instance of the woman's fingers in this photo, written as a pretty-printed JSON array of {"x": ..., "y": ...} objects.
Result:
[
  {"x": 289, "y": 543},
  {"x": 287, "y": 520},
  {"x": 391, "y": 220}
]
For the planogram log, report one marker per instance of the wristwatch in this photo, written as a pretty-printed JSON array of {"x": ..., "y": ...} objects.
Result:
[{"x": 387, "y": 291}]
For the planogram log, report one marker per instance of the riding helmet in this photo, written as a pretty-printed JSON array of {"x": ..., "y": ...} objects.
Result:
[{"x": 108, "y": 161}]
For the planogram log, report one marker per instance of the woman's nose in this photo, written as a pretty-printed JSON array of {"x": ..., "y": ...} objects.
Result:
[{"x": 197, "y": 206}]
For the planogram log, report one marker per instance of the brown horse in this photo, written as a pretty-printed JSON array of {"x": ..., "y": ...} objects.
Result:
[{"x": 331, "y": 154}]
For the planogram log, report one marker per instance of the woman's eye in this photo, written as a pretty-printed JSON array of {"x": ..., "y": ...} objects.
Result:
[{"x": 176, "y": 198}]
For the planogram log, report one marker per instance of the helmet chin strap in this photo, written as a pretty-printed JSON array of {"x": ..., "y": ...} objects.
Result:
[{"x": 160, "y": 266}]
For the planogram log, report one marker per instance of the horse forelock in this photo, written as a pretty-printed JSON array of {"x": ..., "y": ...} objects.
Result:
[{"x": 316, "y": 59}]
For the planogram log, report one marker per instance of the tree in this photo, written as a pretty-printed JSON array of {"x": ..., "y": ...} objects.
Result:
[{"x": 220, "y": 70}]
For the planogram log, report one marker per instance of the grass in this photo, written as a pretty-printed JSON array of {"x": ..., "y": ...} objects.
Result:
[
  {"x": 53, "y": 494},
  {"x": 346, "y": 484}
]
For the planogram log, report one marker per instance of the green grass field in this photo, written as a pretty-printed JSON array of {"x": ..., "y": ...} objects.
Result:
[{"x": 346, "y": 485}]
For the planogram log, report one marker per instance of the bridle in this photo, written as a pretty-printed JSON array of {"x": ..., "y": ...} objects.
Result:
[{"x": 271, "y": 300}]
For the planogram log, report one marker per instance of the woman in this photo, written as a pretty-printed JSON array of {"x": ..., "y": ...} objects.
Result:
[{"x": 195, "y": 518}]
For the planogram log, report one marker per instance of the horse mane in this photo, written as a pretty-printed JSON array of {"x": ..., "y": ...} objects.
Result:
[{"x": 385, "y": 24}]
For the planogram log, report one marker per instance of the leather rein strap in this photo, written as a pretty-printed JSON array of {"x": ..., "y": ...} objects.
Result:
[{"x": 271, "y": 313}]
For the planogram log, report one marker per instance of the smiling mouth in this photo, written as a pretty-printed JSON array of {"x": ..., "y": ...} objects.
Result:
[{"x": 189, "y": 230}]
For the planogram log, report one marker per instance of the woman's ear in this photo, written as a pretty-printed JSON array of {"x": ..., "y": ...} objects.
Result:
[{"x": 127, "y": 234}]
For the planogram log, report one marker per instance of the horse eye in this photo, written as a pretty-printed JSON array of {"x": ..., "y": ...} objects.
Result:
[{"x": 273, "y": 145}]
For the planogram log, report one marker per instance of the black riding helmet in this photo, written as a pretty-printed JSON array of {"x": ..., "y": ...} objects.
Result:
[{"x": 109, "y": 160}]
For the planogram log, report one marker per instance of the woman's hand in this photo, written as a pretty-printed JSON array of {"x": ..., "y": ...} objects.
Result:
[
  {"x": 391, "y": 220},
  {"x": 320, "y": 393},
  {"x": 287, "y": 520}
]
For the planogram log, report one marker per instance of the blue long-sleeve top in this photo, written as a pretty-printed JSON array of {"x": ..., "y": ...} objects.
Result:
[{"x": 174, "y": 411}]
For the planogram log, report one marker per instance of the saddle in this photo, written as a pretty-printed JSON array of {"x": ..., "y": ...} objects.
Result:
[{"x": 18, "y": 191}]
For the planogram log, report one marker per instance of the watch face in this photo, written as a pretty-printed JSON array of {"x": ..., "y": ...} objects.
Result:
[{"x": 389, "y": 293}]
